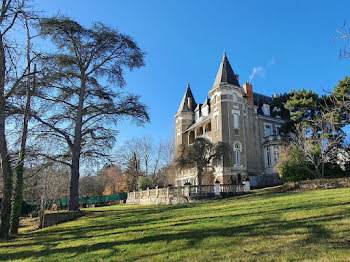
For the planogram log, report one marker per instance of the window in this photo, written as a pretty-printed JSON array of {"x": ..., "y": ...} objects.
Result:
[
  {"x": 235, "y": 121},
  {"x": 239, "y": 178},
  {"x": 276, "y": 154},
  {"x": 214, "y": 99},
  {"x": 268, "y": 129},
  {"x": 237, "y": 152},
  {"x": 277, "y": 130},
  {"x": 268, "y": 156},
  {"x": 216, "y": 123},
  {"x": 266, "y": 109}
]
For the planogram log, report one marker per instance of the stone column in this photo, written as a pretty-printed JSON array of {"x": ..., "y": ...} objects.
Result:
[
  {"x": 167, "y": 192},
  {"x": 147, "y": 192},
  {"x": 217, "y": 188},
  {"x": 246, "y": 186},
  {"x": 157, "y": 191},
  {"x": 187, "y": 190}
]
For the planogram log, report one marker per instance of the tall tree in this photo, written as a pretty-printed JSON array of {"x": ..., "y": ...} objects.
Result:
[
  {"x": 201, "y": 154},
  {"x": 83, "y": 76},
  {"x": 29, "y": 87},
  {"x": 9, "y": 81}
]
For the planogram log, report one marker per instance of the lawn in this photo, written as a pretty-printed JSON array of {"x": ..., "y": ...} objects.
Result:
[{"x": 261, "y": 226}]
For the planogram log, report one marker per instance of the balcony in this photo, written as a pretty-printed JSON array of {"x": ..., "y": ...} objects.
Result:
[{"x": 271, "y": 139}]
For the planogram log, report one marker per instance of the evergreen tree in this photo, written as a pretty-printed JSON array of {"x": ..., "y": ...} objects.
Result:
[{"x": 82, "y": 80}]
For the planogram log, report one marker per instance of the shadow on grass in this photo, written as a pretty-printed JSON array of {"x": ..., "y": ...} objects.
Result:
[
  {"x": 164, "y": 224},
  {"x": 264, "y": 227}
]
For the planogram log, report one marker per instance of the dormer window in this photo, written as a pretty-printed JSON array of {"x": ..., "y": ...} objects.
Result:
[
  {"x": 197, "y": 115},
  {"x": 205, "y": 111},
  {"x": 266, "y": 109}
]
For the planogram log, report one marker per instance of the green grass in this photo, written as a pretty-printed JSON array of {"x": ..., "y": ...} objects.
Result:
[{"x": 262, "y": 226}]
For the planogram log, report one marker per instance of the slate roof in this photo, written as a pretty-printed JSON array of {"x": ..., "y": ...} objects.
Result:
[
  {"x": 184, "y": 103},
  {"x": 260, "y": 99},
  {"x": 225, "y": 74}
]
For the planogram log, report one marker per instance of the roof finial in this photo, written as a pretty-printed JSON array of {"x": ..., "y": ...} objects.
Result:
[
  {"x": 188, "y": 84},
  {"x": 224, "y": 55}
]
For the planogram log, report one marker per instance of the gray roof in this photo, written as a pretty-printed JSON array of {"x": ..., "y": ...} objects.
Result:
[
  {"x": 184, "y": 102},
  {"x": 225, "y": 74},
  {"x": 260, "y": 99}
]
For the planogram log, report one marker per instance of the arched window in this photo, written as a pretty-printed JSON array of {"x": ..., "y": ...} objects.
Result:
[
  {"x": 199, "y": 132},
  {"x": 237, "y": 148}
]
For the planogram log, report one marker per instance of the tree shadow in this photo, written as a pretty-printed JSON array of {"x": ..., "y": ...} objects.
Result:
[{"x": 164, "y": 224}]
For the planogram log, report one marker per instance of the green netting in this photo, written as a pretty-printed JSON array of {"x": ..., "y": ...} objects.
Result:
[
  {"x": 63, "y": 202},
  {"x": 102, "y": 199}
]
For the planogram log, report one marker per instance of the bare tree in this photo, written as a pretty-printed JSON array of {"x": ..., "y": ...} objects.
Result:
[
  {"x": 10, "y": 79},
  {"x": 29, "y": 91},
  {"x": 90, "y": 186},
  {"x": 344, "y": 34},
  {"x": 318, "y": 141},
  {"x": 201, "y": 154}
]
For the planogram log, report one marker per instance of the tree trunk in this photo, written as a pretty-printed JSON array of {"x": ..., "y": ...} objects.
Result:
[
  {"x": 74, "y": 181},
  {"x": 200, "y": 175},
  {"x": 5, "y": 158}
]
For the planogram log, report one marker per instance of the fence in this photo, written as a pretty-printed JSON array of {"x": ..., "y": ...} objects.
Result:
[
  {"x": 93, "y": 200},
  {"x": 62, "y": 203},
  {"x": 184, "y": 194}
]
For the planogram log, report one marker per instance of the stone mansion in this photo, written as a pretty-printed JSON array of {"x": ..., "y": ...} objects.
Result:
[{"x": 237, "y": 116}]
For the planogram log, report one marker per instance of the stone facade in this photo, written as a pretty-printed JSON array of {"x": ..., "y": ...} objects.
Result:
[{"x": 237, "y": 116}]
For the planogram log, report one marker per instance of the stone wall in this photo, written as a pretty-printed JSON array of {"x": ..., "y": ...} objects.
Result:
[
  {"x": 316, "y": 184},
  {"x": 185, "y": 194},
  {"x": 51, "y": 219}
]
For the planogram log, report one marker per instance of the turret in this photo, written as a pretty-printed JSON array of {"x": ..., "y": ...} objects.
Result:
[{"x": 184, "y": 117}]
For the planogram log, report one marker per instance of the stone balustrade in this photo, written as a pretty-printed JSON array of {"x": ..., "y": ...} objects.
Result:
[{"x": 185, "y": 194}]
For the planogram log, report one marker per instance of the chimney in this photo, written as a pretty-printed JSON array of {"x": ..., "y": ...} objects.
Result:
[
  {"x": 189, "y": 103},
  {"x": 275, "y": 95},
  {"x": 248, "y": 90},
  {"x": 237, "y": 77}
]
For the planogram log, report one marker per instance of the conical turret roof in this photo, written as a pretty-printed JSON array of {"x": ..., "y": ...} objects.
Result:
[
  {"x": 184, "y": 105},
  {"x": 225, "y": 74}
]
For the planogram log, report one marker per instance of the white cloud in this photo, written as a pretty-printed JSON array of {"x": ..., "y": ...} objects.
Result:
[{"x": 261, "y": 70}]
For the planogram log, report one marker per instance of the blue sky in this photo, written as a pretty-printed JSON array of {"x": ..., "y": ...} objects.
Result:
[{"x": 291, "y": 45}]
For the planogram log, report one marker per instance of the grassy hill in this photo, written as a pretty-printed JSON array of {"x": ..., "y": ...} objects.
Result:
[{"x": 261, "y": 226}]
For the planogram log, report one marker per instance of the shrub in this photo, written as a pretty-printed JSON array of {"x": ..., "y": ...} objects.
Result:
[{"x": 144, "y": 182}]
